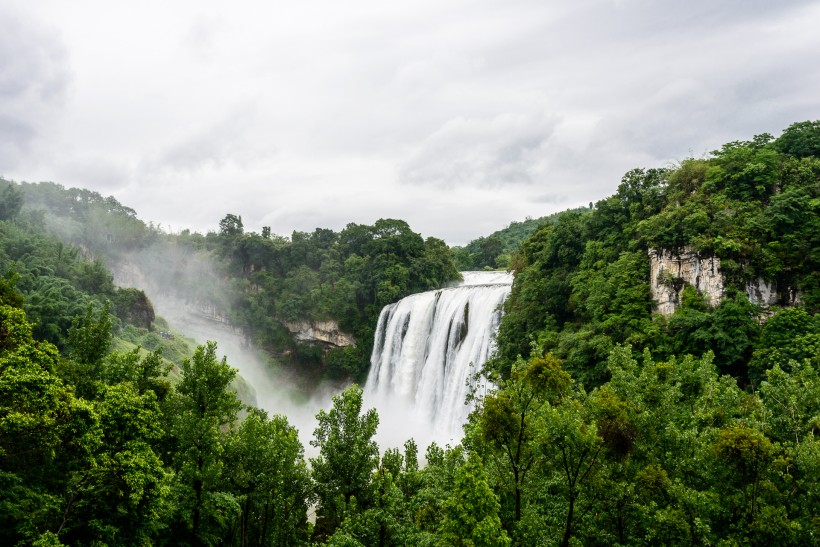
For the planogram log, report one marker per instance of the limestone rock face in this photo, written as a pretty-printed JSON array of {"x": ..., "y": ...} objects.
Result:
[
  {"x": 325, "y": 332},
  {"x": 761, "y": 293},
  {"x": 671, "y": 271},
  {"x": 766, "y": 294}
]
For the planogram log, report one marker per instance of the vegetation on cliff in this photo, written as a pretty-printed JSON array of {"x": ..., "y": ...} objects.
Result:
[{"x": 582, "y": 284}]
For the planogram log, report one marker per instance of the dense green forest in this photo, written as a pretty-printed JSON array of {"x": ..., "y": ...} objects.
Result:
[
  {"x": 494, "y": 251},
  {"x": 262, "y": 282},
  {"x": 612, "y": 424}
]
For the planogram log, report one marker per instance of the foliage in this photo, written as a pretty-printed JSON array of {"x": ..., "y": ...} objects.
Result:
[
  {"x": 201, "y": 407},
  {"x": 607, "y": 424},
  {"x": 582, "y": 283},
  {"x": 271, "y": 481},
  {"x": 347, "y": 458}
]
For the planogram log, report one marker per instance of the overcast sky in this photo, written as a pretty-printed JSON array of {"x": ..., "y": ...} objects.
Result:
[{"x": 457, "y": 116}]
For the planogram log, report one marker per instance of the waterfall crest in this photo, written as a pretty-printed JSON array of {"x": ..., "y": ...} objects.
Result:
[{"x": 426, "y": 350}]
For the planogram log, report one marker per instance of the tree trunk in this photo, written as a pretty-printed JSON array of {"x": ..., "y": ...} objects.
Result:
[{"x": 568, "y": 528}]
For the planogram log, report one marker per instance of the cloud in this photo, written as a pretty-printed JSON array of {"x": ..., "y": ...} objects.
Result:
[
  {"x": 34, "y": 84},
  {"x": 225, "y": 141},
  {"x": 95, "y": 171},
  {"x": 457, "y": 116},
  {"x": 489, "y": 152}
]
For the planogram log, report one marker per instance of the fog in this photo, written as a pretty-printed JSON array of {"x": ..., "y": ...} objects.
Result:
[{"x": 185, "y": 291}]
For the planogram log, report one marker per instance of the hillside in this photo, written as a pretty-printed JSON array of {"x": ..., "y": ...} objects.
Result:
[
  {"x": 494, "y": 251},
  {"x": 274, "y": 288},
  {"x": 656, "y": 380},
  {"x": 583, "y": 283}
]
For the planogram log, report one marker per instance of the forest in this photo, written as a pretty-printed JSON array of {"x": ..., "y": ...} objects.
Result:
[{"x": 610, "y": 424}]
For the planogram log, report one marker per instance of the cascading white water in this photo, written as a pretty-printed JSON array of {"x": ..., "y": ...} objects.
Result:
[{"x": 426, "y": 350}]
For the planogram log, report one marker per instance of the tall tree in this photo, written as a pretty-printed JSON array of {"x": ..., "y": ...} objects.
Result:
[
  {"x": 200, "y": 411},
  {"x": 271, "y": 482},
  {"x": 471, "y": 511},
  {"x": 348, "y": 455}
]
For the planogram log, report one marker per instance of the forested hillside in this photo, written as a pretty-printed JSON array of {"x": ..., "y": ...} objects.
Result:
[
  {"x": 265, "y": 284},
  {"x": 583, "y": 284},
  {"x": 611, "y": 423},
  {"x": 494, "y": 250}
]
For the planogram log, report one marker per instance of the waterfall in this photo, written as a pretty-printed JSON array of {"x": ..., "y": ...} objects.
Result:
[{"x": 426, "y": 350}]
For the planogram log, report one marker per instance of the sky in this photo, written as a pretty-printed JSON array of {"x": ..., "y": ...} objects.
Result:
[{"x": 456, "y": 116}]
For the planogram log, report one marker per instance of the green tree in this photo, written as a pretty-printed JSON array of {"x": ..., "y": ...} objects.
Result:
[
  {"x": 119, "y": 497},
  {"x": 199, "y": 411},
  {"x": 133, "y": 306},
  {"x": 746, "y": 455},
  {"x": 348, "y": 456},
  {"x": 89, "y": 341},
  {"x": 572, "y": 447},
  {"x": 471, "y": 511},
  {"x": 11, "y": 199},
  {"x": 270, "y": 480},
  {"x": 489, "y": 249},
  {"x": 144, "y": 372},
  {"x": 34, "y": 408},
  {"x": 231, "y": 226},
  {"x": 800, "y": 139},
  {"x": 508, "y": 421}
]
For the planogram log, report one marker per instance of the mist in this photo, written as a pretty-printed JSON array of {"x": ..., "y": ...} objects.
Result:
[
  {"x": 186, "y": 292},
  {"x": 195, "y": 293}
]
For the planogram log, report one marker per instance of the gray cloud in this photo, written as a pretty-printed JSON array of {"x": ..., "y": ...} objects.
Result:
[
  {"x": 456, "y": 116},
  {"x": 96, "y": 171},
  {"x": 34, "y": 83},
  {"x": 228, "y": 140},
  {"x": 502, "y": 150}
]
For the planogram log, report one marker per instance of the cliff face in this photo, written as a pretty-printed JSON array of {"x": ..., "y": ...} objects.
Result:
[
  {"x": 671, "y": 271},
  {"x": 324, "y": 332}
]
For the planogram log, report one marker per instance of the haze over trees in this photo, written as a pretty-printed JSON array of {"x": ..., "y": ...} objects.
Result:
[
  {"x": 262, "y": 283},
  {"x": 610, "y": 425}
]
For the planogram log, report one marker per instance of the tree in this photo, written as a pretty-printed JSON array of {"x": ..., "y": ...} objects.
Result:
[
  {"x": 89, "y": 340},
  {"x": 471, "y": 510},
  {"x": 145, "y": 373},
  {"x": 800, "y": 139},
  {"x": 270, "y": 480},
  {"x": 746, "y": 454},
  {"x": 508, "y": 420},
  {"x": 572, "y": 446},
  {"x": 34, "y": 406},
  {"x": 119, "y": 496},
  {"x": 202, "y": 407},
  {"x": 11, "y": 200},
  {"x": 9, "y": 295},
  {"x": 489, "y": 249},
  {"x": 343, "y": 470},
  {"x": 231, "y": 226},
  {"x": 132, "y": 306}
]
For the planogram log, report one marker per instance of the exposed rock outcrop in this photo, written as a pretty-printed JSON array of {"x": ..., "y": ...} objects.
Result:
[
  {"x": 765, "y": 294},
  {"x": 324, "y": 332},
  {"x": 671, "y": 271}
]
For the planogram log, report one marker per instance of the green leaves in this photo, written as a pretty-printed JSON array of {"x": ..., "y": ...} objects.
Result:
[
  {"x": 347, "y": 458},
  {"x": 471, "y": 511},
  {"x": 199, "y": 411},
  {"x": 270, "y": 481}
]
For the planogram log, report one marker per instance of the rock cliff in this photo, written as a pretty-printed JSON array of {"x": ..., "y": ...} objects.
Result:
[
  {"x": 671, "y": 271},
  {"x": 324, "y": 332}
]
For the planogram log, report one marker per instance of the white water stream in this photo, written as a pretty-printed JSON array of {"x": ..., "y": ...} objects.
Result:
[{"x": 427, "y": 349}]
